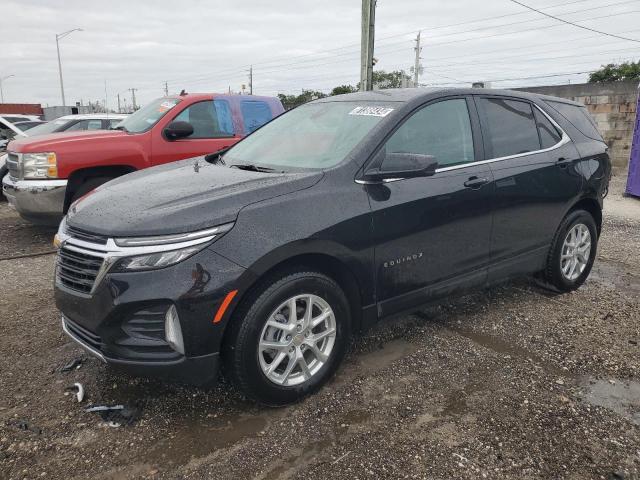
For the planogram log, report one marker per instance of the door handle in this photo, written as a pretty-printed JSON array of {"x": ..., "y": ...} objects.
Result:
[{"x": 476, "y": 182}]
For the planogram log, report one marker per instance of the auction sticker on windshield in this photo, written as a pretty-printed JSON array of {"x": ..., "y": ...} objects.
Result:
[{"x": 371, "y": 111}]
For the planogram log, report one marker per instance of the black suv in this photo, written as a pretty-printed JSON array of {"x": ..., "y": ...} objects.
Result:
[{"x": 266, "y": 257}]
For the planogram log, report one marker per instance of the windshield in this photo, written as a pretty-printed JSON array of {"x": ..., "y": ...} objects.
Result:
[
  {"x": 48, "y": 127},
  {"x": 313, "y": 136},
  {"x": 148, "y": 116}
]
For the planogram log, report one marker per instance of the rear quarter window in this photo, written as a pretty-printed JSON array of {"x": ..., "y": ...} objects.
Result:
[
  {"x": 254, "y": 115},
  {"x": 579, "y": 117}
]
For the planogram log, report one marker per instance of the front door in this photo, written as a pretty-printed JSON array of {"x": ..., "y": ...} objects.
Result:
[
  {"x": 213, "y": 130},
  {"x": 432, "y": 233}
]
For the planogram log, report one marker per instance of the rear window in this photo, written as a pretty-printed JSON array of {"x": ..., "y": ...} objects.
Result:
[
  {"x": 510, "y": 127},
  {"x": 254, "y": 114},
  {"x": 578, "y": 117}
]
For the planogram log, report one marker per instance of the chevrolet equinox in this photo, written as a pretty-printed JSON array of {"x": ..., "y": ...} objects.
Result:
[{"x": 266, "y": 257}]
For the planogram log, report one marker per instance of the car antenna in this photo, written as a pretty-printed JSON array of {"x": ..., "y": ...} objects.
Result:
[{"x": 183, "y": 93}]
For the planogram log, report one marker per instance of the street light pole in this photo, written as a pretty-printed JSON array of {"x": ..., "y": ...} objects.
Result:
[
  {"x": 60, "y": 36},
  {"x": 2, "y": 79}
]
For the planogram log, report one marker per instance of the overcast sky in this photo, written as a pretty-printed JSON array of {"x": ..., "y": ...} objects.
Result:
[{"x": 207, "y": 46}]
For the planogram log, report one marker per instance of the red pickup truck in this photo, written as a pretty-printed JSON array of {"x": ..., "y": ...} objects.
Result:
[{"x": 47, "y": 173}]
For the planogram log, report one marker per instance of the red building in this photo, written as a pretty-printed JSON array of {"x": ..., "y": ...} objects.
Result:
[{"x": 21, "y": 108}]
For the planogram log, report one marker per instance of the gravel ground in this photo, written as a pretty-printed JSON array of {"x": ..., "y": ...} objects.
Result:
[{"x": 510, "y": 382}]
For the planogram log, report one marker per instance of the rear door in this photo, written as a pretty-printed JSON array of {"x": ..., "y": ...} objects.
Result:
[
  {"x": 212, "y": 130},
  {"x": 533, "y": 164},
  {"x": 432, "y": 233}
]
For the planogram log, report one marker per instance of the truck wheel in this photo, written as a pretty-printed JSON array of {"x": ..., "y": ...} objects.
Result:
[
  {"x": 288, "y": 337},
  {"x": 85, "y": 187},
  {"x": 572, "y": 252}
]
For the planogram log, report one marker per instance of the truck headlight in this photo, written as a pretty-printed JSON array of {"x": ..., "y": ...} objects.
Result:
[{"x": 39, "y": 165}]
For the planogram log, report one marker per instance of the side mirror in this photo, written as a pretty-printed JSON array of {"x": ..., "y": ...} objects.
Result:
[
  {"x": 178, "y": 130},
  {"x": 403, "y": 165}
]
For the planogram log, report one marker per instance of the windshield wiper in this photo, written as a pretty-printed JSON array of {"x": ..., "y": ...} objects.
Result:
[
  {"x": 120, "y": 127},
  {"x": 251, "y": 167}
]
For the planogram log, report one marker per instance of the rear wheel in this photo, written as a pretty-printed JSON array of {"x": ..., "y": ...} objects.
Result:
[
  {"x": 572, "y": 252},
  {"x": 288, "y": 337}
]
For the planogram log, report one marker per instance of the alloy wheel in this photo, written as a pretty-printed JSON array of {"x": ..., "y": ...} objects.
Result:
[
  {"x": 575, "y": 252},
  {"x": 297, "y": 340}
]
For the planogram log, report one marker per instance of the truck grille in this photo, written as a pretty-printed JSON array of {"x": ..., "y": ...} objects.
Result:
[
  {"x": 77, "y": 271},
  {"x": 13, "y": 165}
]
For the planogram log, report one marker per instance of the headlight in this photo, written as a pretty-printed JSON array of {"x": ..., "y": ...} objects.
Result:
[
  {"x": 154, "y": 260},
  {"x": 149, "y": 253},
  {"x": 39, "y": 165}
]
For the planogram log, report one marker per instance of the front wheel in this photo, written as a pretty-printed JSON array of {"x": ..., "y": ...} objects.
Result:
[
  {"x": 288, "y": 337},
  {"x": 572, "y": 252}
]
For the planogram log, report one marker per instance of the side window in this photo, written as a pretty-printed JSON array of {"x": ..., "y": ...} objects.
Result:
[
  {"x": 549, "y": 134},
  {"x": 441, "y": 129},
  {"x": 579, "y": 118},
  {"x": 113, "y": 122},
  {"x": 205, "y": 120},
  {"x": 81, "y": 125},
  {"x": 94, "y": 125},
  {"x": 509, "y": 126},
  {"x": 254, "y": 114}
]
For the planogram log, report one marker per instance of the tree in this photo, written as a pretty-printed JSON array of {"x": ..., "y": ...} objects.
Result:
[
  {"x": 342, "y": 89},
  {"x": 292, "y": 101},
  {"x": 616, "y": 72},
  {"x": 395, "y": 79}
]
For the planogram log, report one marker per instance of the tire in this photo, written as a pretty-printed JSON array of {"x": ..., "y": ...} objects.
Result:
[
  {"x": 553, "y": 273},
  {"x": 85, "y": 187},
  {"x": 246, "y": 365},
  {"x": 3, "y": 171}
]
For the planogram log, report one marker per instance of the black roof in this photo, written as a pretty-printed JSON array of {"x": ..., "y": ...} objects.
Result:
[{"x": 405, "y": 95}]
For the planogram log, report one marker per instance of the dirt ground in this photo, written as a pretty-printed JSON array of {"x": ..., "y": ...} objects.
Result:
[{"x": 511, "y": 382}]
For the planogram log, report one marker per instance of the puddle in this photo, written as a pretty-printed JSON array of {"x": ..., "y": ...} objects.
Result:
[
  {"x": 505, "y": 348},
  {"x": 200, "y": 439},
  {"x": 289, "y": 466},
  {"x": 622, "y": 397},
  {"x": 390, "y": 352},
  {"x": 614, "y": 275}
]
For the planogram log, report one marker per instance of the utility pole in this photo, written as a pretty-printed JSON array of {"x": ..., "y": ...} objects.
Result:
[
  {"x": 366, "y": 44},
  {"x": 2, "y": 79},
  {"x": 119, "y": 110},
  {"x": 60, "y": 36},
  {"x": 416, "y": 67},
  {"x": 251, "y": 80},
  {"x": 133, "y": 97},
  {"x": 166, "y": 89}
]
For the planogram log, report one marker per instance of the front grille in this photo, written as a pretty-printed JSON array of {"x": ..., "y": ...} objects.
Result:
[
  {"x": 77, "y": 271},
  {"x": 13, "y": 165},
  {"x": 84, "y": 335},
  {"x": 85, "y": 236}
]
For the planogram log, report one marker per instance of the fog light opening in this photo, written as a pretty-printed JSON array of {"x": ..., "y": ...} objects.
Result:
[{"x": 172, "y": 330}]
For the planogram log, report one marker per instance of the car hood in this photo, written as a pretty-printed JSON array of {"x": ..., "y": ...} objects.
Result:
[
  {"x": 179, "y": 197},
  {"x": 50, "y": 141}
]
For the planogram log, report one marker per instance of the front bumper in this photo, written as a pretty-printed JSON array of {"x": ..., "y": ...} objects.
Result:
[
  {"x": 202, "y": 370},
  {"x": 39, "y": 201},
  {"x": 122, "y": 320}
]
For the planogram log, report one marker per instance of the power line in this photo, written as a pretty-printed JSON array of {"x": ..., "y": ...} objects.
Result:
[
  {"x": 573, "y": 24},
  {"x": 349, "y": 46}
]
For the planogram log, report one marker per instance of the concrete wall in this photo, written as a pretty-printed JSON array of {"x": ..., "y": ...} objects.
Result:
[{"x": 613, "y": 107}]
